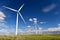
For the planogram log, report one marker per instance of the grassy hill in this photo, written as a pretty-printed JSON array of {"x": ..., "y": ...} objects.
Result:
[{"x": 31, "y": 37}]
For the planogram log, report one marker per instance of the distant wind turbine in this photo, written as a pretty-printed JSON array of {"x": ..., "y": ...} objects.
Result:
[
  {"x": 18, "y": 13},
  {"x": 35, "y": 23}
]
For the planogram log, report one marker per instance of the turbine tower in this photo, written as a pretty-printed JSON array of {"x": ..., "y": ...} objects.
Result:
[{"x": 18, "y": 13}]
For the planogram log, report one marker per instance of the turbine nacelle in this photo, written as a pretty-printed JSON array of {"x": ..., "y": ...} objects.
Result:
[{"x": 17, "y": 12}]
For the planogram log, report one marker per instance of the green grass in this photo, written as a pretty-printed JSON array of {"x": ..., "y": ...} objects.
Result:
[{"x": 31, "y": 37}]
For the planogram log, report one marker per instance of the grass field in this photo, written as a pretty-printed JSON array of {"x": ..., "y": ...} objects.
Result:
[{"x": 31, "y": 37}]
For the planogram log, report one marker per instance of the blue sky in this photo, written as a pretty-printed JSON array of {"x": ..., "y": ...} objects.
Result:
[{"x": 47, "y": 13}]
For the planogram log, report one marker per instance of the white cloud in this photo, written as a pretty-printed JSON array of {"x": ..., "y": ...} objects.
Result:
[
  {"x": 30, "y": 19},
  {"x": 35, "y": 19},
  {"x": 21, "y": 30},
  {"x": 35, "y": 22},
  {"x": 28, "y": 26},
  {"x": 40, "y": 28},
  {"x": 2, "y": 16},
  {"x": 58, "y": 24},
  {"x": 49, "y": 8},
  {"x": 3, "y": 26},
  {"x": 39, "y": 31},
  {"x": 12, "y": 31},
  {"x": 4, "y": 32},
  {"x": 53, "y": 29},
  {"x": 2, "y": 19},
  {"x": 42, "y": 22}
]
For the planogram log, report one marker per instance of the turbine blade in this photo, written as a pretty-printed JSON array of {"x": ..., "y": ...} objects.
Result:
[
  {"x": 10, "y": 8},
  {"x": 22, "y": 17},
  {"x": 20, "y": 7}
]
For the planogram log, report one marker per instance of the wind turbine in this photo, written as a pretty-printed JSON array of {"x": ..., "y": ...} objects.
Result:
[
  {"x": 18, "y": 13},
  {"x": 35, "y": 23}
]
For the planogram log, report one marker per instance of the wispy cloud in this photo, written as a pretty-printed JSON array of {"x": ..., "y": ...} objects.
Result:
[
  {"x": 58, "y": 24},
  {"x": 3, "y": 26},
  {"x": 42, "y": 22},
  {"x": 44, "y": 31},
  {"x": 53, "y": 29},
  {"x": 28, "y": 26},
  {"x": 33, "y": 20},
  {"x": 30, "y": 19},
  {"x": 2, "y": 16},
  {"x": 4, "y": 32},
  {"x": 2, "y": 19},
  {"x": 49, "y": 8}
]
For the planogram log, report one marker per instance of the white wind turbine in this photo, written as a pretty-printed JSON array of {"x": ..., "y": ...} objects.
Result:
[
  {"x": 18, "y": 13},
  {"x": 35, "y": 23}
]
